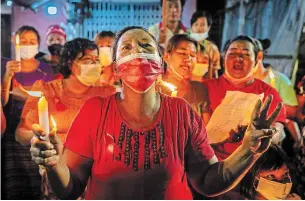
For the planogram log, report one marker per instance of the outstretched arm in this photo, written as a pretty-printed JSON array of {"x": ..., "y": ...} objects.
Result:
[{"x": 213, "y": 178}]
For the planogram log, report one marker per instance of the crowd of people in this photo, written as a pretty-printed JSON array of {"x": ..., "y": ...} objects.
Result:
[{"x": 148, "y": 114}]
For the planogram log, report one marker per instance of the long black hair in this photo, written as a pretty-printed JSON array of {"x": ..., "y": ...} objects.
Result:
[
  {"x": 274, "y": 158},
  {"x": 70, "y": 52}
]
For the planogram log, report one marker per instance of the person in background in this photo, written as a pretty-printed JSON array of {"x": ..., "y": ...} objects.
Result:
[
  {"x": 277, "y": 80},
  {"x": 80, "y": 66},
  {"x": 20, "y": 177},
  {"x": 284, "y": 87},
  {"x": 56, "y": 38},
  {"x": 269, "y": 178},
  {"x": 140, "y": 144},
  {"x": 208, "y": 56},
  {"x": 104, "y": 41},
  {"x": 174, "y": 25},
  {"x": 180, "y": 58},
  {"x": 298, "y": 156},
  {"x": 233, "y": 95}
]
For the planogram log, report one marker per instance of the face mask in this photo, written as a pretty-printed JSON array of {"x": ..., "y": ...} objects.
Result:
[
  {"x": 105, "y": 56},
  {"x": 139, "y": 71},
  {"x": 272, "y": 190},
  {"x": 200, "y": 69},
  {"x": 28, "y": 51},
  {"x": 199, "y": 36},
  {"x": 240, "y": 80},
  {"x": 55, "y": 49},
  {"x": 90, "y": 74}
]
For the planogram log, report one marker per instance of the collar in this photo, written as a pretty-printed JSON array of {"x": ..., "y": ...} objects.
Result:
[{"x": 181, "y": 26}]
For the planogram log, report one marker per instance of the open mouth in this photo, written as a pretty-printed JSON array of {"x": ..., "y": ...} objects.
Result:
[{"x": 238, "y": 67}]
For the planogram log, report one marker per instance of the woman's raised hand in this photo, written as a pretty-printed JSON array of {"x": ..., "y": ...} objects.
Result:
[{"x": 12, "y": 67}]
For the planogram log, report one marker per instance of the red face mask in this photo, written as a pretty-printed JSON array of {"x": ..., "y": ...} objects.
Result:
[{"x": 139, "y": 71}]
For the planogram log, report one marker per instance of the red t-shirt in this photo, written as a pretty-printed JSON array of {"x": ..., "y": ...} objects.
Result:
[
  {"x": 139, "y": 163},
  {"x": 217, "y": 89}
]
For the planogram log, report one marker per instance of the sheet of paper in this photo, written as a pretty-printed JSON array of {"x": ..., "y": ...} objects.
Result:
[{"x": 235, "y": 109}]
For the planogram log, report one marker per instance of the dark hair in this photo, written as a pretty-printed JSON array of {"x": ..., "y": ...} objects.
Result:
[
  {"x": 181, "y": 1},
  {"x": 104, "y": 34},
  {"x": 70, "y": 51},
  {"x": 176, "y": 39},
  {"x": 259, "y": 45},
  {"x": 242, "y": 38},
  {"x": 202, "y": 13},
  {"x": 28, "y": 28},
  {"x": 119, "y": 35},
  {"x": 274, "y": 158}
]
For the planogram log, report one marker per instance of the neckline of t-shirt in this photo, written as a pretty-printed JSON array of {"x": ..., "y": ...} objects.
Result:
[{"x": 160, "y": 114}]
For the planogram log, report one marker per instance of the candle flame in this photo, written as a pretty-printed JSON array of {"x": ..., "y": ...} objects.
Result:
[
  {"x": 170, "y": 86},
  {"x": 35, "y": 93},
  {"x": 53, "y": 122},
  {"x": 17, "y": 40}
]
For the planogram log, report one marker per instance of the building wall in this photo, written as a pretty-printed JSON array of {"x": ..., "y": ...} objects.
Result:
[
  {"x": 40, "y": 20},
  {"x": 188, "y": 10}
]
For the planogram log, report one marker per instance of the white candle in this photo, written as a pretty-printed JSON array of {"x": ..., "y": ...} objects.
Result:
[
  {"x": 17, "y": 51},
  {"x": 43, "y": 114}
]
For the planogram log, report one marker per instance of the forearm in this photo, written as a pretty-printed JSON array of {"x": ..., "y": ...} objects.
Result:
[
  {"x": 23, "y": 136},
  {"x": 225, "y": 175},
  {"x": 60, "y": 180},
  {"x": 5, "y": 93},
  {"x": 294, "y": 130}
]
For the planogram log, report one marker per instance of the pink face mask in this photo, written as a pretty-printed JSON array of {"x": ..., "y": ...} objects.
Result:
[{"x": 139, "y": 71}]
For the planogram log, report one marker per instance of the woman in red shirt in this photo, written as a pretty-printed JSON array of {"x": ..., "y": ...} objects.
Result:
[{"x": 140, "y": 144}]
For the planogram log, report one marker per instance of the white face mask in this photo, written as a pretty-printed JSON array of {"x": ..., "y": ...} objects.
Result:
[
  {"x": 200, "y": 69},
  {"x": 272, "y": 190},
  {"x": 90, "y": 74},
  {"x": 28, "y": 51},
  {"x": 105, "y": 55},
  {"x": 248, "y": 77},
  {"x": 199, "y": 36}
]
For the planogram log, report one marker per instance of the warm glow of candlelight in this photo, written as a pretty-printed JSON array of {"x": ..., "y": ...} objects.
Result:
[
  {"x": 43, "y": 114},
  {"x": 35, "y": 93},
  {"x": 170, "y": 86},
  {"x": 53, "y": 122}
]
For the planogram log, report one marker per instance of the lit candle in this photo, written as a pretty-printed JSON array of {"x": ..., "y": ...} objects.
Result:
[
  {"x": 43, "y": 114},
  {"x": 17, "y": 50},
  {"x": 53, "y": 123},
  {"x": 171, "y": 87},
  {"x": 174, "y": 93}
]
